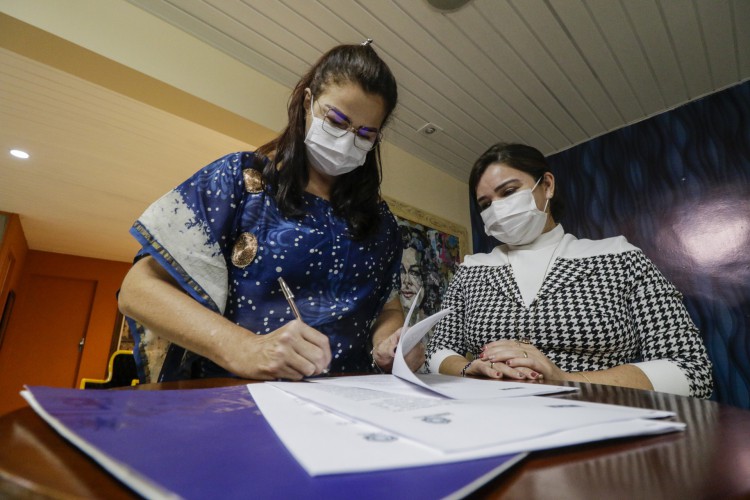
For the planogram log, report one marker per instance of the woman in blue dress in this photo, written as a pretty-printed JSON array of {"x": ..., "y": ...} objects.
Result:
[{"x": 203, "y": 297}]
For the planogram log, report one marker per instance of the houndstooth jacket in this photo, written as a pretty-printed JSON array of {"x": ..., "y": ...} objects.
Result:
[{"x": 602, "y": 304}]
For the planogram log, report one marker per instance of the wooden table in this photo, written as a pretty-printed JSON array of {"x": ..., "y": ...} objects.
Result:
[{"x": 711, "y": 459}]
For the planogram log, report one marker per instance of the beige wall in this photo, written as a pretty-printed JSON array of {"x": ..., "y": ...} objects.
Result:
[
  {"x": 415, "y": 182},
  {"x": 141, "y": 47}
]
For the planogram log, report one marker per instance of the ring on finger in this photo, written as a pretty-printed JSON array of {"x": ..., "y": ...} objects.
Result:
[
  {"x": 525, "y": 354},
  {"x": 492, "y": 365}
]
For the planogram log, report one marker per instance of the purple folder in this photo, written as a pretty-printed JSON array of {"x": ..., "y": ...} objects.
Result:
[{"x": 215, "y": 443}]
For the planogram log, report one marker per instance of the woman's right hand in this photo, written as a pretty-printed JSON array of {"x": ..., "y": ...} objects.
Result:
[{"x": 294, "y": 351}]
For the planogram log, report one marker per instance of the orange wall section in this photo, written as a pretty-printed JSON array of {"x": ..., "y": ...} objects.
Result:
[
  {"x": 108, "y": 275},
  {"x": 12, "y": 256},
  {"x": 104, "y": 277}
]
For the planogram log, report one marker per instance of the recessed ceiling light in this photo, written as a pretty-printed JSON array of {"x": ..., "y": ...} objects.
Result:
[{"x": 19, "y": 154}]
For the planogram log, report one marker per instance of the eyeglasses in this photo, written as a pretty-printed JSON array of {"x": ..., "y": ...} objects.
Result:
[{"x": 337, "y": 124}]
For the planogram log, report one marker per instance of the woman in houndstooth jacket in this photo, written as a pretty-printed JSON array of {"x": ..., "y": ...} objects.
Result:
[{"x": 547, "y": 306}]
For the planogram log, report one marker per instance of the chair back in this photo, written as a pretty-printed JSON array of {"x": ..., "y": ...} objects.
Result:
[{"x": 121, "y": 372}]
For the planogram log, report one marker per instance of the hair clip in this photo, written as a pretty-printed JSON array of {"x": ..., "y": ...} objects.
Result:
[{"x": 366, "y": 42}]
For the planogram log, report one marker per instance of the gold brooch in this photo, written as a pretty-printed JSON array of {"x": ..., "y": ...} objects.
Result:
[
  {"x": 245, "y": 249},
  {"x": 253, "y": 180}
]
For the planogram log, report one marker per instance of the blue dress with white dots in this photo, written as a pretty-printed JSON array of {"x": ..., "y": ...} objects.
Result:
[{"x": 223, "y": 238}]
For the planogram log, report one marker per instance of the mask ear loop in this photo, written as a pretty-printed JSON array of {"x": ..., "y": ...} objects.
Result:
[
  {"x": 546, "y": 203},
  {"x": 312, "y": 112}
]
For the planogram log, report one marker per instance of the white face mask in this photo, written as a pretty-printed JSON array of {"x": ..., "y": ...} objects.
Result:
[
  {"x": 331, "y": 155},
  {"x": 515, "y": 220}
]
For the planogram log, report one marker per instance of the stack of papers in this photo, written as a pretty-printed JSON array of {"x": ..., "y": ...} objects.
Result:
[{"x": 376, "y": 422}]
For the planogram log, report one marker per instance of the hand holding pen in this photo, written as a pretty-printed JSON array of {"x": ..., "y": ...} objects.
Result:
[
  {"x": 291, "y": 352},
  {"x": 290, "y": 300}
]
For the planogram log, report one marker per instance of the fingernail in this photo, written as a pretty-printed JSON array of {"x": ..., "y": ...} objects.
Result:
[
  {"x": 519, "y": 374},
  {"x": 509, "y": 363},
  {"x": 533, "y": 375}
]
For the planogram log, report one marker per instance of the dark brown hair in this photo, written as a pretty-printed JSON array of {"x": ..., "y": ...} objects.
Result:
[
  {"x": 355, "y": 195},
  {"x": 521, "y": 157}
]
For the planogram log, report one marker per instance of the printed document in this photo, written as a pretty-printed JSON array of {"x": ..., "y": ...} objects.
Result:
[
  {"x": 453, "y": 425},
  {"x": 328, "y": 443}
]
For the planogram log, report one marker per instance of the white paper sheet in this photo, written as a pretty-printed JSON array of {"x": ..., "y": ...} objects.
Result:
[
  {"x": 460, "y": 425},
  {"x": 410, "y": 337},
  {"x": 447, "y": 385},
  {"x": 326, "y": 443}
]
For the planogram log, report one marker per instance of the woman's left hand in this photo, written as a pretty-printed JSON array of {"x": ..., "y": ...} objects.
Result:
[
  {"x": 523, "y": 357},
  {"x": 384, "y": 353}
]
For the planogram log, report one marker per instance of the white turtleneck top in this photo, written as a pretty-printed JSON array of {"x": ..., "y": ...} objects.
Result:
[{"x": 531, "y": 262}]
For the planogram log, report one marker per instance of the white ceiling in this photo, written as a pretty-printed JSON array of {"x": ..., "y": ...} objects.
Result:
[{"x": 551, "y": 73}]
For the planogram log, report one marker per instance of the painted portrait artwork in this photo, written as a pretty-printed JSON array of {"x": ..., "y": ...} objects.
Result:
[{"x": 433, "y": 249}]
